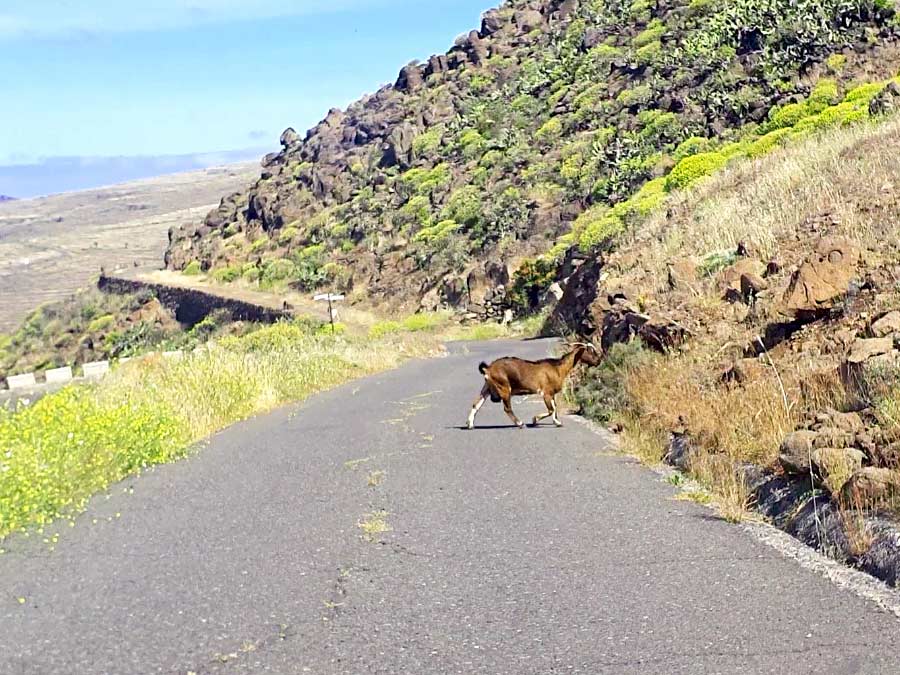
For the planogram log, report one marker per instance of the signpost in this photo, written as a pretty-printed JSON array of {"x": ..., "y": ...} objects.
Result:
[{"x": 332, "y": 311}]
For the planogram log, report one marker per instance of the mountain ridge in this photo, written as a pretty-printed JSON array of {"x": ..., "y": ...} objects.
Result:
[{"x": 433, "y": 191}]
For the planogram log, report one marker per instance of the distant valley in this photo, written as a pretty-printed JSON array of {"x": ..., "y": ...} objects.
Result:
[{"x": 51, "y": 246}]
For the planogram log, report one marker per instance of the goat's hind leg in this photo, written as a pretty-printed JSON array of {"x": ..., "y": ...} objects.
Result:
[{"x": 485, "y": 392}]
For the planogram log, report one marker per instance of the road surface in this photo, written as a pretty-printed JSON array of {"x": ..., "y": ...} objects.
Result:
[{"x": 503, "y": 551}]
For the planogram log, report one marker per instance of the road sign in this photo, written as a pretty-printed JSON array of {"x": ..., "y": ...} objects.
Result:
[{"x": 332, "y": 311}]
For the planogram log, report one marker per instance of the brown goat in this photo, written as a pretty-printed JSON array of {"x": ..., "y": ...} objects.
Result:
[{"x": 511, "y": 376}]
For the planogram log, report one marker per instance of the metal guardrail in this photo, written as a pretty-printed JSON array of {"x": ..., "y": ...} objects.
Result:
[{"x": 94, "y": 370}]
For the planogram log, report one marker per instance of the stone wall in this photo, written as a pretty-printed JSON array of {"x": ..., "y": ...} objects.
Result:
[{"x": 192, "y": 305}]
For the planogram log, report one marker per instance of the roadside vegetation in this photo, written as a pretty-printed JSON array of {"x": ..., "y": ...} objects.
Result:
[
  {"x": 74, "y": 443},
  {"x": 736, "y": 400}
]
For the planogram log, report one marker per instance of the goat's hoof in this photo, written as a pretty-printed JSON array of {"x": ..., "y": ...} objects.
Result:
[
  {"x": 558, "y": 425},
  {"x": 520, "y": 425},
  {"x": 469, "y": 427},
  {"x": 534, "y": 422}
]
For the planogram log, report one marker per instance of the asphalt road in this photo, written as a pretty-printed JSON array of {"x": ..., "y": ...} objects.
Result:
[{"x": 509, "y": 551}]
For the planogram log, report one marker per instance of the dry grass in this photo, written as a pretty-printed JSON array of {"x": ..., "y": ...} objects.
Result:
[
  {"x": 857, "y": 527},
  {"x": 843, "y": 175},
  {"x": 747, "y": 422},
  {"x": 845, "y": 182}
]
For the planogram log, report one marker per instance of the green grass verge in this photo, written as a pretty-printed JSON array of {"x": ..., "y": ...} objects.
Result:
[{"x": 77, "y": 442}]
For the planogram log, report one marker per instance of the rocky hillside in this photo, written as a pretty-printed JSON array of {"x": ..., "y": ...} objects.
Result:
[
  {"x": 433, "y": 191},
  {"x": 4, "y": 198}
]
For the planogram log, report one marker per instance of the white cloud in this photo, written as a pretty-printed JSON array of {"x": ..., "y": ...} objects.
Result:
[{"x": 73, "y": 18}]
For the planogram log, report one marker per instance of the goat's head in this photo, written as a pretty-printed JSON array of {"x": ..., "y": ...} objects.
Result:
[{"x": 587, "y": 353}]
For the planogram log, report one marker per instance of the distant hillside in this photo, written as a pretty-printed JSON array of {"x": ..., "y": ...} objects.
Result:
[
  {"x": 524, "y": 135},
  {"x": 4, "y": 198},
  {"x": 52, "y": 246}
]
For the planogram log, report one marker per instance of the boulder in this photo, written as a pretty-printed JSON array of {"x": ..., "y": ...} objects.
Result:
[
  {"x": 528, "y": 19},
  {"x": 289, "y": 138},
  {"x": 399, "y": 147},
  {"x": 478, "y": 286},
  {"x": 497, "y": 273},
  {"x": 491, "y": 22},
  {"x": 752, "y": 285},
  {"x": 453, "y": 290},
  {"x": 592, "y": 38},
  {"x": 794, "y": 453},
  {"x": 887, "y": 101},
  {"x": 823, "y": 278},
  {"x": 866, "y": 349},
  {"x": 437, "y": 64},
  {"x": 888, "y": 324},
  {"x": 682, "y": 275},
  {"x": 411, "y": 78},
  {"x": 828, "y": 462},
  {"x": 832, "y": 419},
  {"x": 871, "y": 487},
  {"x": 680, "y": 452},
  {"x": 730, "y": 279},
  {"x": 476, "y": 48}
]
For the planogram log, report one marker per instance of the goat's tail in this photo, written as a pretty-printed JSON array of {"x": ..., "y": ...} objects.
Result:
[{"x": 482, "y": 367}]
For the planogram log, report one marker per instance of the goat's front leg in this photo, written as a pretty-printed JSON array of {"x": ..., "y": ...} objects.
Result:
[
  {"x": 555, "y": 412},
  {"x": 485, "y": 392},
  {"x": 507, "y": 407},
  {"x": 551, "y": 411}
]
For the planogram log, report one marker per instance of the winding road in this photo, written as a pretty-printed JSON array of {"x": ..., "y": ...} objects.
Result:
[{"x": 364, "y": 532}]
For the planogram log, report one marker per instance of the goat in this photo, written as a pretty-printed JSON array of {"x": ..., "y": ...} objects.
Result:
[{"x": 511, "y": 376}]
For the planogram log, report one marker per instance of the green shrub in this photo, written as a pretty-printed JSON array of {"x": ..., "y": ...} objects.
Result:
[
  {"x": 491, "y": 158},
  {"x": 823, "y": 95},
  {"x": 715, "y": 262},
  {"x": 472, "y": 143},
  {"x": 596, "y": 226},
  {"x": 464, "y": 207},
  {"x": 836, "y": 62},
  {"x": 733, "y": 149},
  {"x": 691, "y": 169},
  {"x": 787, "y": 116},
  {"x": 226, "y": 275},
  {"x": 651, "y": 34},
  {"x": 287, "y": 235},
  {"x": 638, "y": 96},
  {"x": 101, "y": 324},
  {"x": 550, "y": 131},
  {"x": 695, "y": 145},
  {"x": 259, "y": 244},
  {"x": 192, "y": 269},
  {"x": 436, "y": 233},
  {"x": 425, "y": 321},
  {"x": 277, "y": 271},
  {"x": 649, "y": 54},
  {"x": 864, "y": 93},
  {"x": 769, "y": 142},
  {"x": 383, "y": 328},
  {"x": 856, "y": 117},
  {"x": 530, "y": 281},
  {"x": 649, "y": 198},
  {"x": 427, "y": 143},
  {"x": 70, "y": 445},
  {"x": 600, "y": 392}
]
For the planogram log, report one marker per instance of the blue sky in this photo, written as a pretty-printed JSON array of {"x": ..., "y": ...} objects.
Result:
[{"x": 99, "y": 78}]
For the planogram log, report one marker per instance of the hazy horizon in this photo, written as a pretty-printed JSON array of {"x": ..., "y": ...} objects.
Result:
[
  {"x": 113, "y": 94},
  {"x": 56, "y": 175}
]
